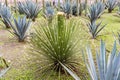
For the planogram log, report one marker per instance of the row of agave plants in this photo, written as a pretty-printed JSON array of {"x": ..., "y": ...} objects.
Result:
[{"x": 54, "y": 45}]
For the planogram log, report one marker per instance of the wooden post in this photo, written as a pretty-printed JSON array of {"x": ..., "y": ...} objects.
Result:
[
  {"x": 36, "y": 1},
  {"x": 80, "y": 13},
  {"x": 77, "y": 7},
  {"x": 15, "y": 6},
  {"x": 6, "y": 2},
  {"x": 71, "y": 7},
  {"x": 43, "y": 3},
  {"x": 58, "y": 4},
  {"x": 103, "y": 1},
  {"x": 96, "y": 1},
  {"x": 86, "y": 7}
]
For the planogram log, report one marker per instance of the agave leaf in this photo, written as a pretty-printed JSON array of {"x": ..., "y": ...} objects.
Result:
[
  {"x": 91, "y": 67},
  {"x": 70, "y": 72},
  {"x": 99, "y": 30},
  {"x": 3, "y": 72},
  {"x": 108, "y": 70}
]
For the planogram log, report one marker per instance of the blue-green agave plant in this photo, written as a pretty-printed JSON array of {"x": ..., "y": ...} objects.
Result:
[
  {"x": 111, "y": 4},
  {"x": 66, "y": 8},
  {"x": 95, "y": 29},
  {"x": 20, "y": 28},
  {"x": 95, "y": 11},
  {"x": 21, "y": 7},
  {"x": 6, "y": 15},
  {"x": 81, "y": 8},
  {"x": 30, "y": 8},
  {"x": 108, "y": 68},
  {"x": 49, "y": 12}
]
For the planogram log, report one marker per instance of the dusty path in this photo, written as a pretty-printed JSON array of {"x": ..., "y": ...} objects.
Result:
[{"x": 12, "y": 51}]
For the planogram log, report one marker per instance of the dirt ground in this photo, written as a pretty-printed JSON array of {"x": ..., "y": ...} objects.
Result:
[{"x": 13, "y": 51}]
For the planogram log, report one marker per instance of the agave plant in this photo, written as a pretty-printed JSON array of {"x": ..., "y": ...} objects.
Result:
[
  {"x": 66, "y": 8},
  {"x": 108, "y": 67},
  {"x": 111, "y": 4},
  {"x": 56, "y": 45},
  {"x": 6, "y": 15},
  {"x": 48, "y": 4},
  {"x": 20, "y": 7},
  {"x": 95, "y": 29},
  {"x": 20, "y": 28},
  {"x": 49, "y": 12},
  {"x": 81, "y": 8},
  {"x": 31, "y": 9},
  {"x": 95, "y": 11}
]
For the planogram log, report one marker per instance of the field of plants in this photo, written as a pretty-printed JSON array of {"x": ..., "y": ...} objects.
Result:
[{"x": 60, "y": 40}]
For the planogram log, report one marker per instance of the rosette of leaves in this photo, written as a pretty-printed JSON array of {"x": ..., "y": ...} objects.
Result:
[
  {"x": 95, "y": 29},
  {"x": 55, "y": 49},
  {"x": 49, "y": 12},
  {"x": 108, "y": 68},
  {"x": 31, "y": 9},
  {"x": 20, "y": 28},
  {"x": 95, "y": 11},
  {"x": 21, "y": 7},
  {"x": 66, "y": 8},
  {"x": 81, "y": 8},
  {"x": 6, "y": 15},
  {"x": 111, "y": 4}
]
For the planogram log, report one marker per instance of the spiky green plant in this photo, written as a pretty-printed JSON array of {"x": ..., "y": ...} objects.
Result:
[
  {"x": 20, "y": 27},
  {"x": 111, "y": 4},
  {"x": 54, "y": 46},
  {"x": 108, "y": 67},
  {"x": 95, "y": 29},
  {"x": 6, "y": 15}
]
